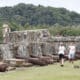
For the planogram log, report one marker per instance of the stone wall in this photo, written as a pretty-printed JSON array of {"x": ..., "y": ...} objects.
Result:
[
  {"x": 35, "y": 42},
  {"x": 29, "y": 35}
]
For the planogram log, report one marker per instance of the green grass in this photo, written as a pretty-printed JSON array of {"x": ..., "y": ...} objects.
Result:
[{"x": 50, "y": 72}]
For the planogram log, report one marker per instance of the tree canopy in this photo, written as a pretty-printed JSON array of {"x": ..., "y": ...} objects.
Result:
[{"x": 22, "y": 14}]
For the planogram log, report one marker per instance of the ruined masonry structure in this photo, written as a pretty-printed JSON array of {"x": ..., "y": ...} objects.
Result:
[
  {"x": 32, "y": 42},
  {"x": 25, "y": 43}
]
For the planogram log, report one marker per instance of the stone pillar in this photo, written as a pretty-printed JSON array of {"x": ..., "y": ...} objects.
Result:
[{"x": 6, "y": 30}]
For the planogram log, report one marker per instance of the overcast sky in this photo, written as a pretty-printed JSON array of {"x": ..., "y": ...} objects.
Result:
[{"x": 73, "y": 5}]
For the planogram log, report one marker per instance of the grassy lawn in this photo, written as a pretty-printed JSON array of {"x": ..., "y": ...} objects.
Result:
[{"x": 50, "y": 72}]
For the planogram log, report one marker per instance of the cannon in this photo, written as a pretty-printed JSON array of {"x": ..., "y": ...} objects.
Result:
[
  {"x": 3, "y": 67},
  {"x": 37, "y": 61}
]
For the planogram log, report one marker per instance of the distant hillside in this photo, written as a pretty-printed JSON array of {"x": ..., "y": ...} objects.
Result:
[{"x": 38, "y": 15}]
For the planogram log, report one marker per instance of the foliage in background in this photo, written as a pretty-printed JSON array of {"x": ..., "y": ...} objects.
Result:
[{"x": 23, "y": 14}]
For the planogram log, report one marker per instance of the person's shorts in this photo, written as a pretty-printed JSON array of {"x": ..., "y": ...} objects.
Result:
[
  {"x": 61, "y": 56},
  {"x": 71, "y": 56}
]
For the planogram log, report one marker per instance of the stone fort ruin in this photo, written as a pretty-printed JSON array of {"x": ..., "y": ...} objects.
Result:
[
  {"x": 32, "y": 42},
  {"x": 29, "y": 44},
  {"x": 25, "y": 43}
]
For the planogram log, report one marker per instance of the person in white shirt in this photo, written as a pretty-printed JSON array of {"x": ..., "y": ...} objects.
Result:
[
  {"x": 61, "y": 53},
  {"x": 72, "y": 50}
]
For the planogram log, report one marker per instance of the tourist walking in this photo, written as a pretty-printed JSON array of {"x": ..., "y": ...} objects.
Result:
[
  {"x": 72, "y": 50},
  {"x": 61, "y": 53}
]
